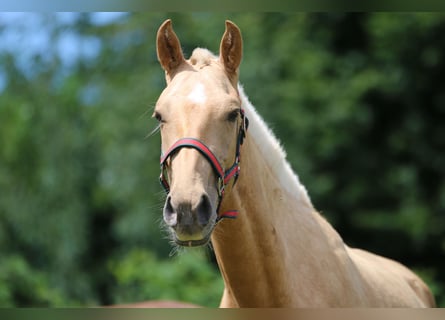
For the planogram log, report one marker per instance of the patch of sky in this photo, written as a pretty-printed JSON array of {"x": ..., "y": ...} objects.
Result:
[
  {"x": 90, "y": 94},
  {"x": 104, "y": 18},
  {"x": 28, "y": 36},
  {"x": 72, "y": 47},
  {"x": 3, "y": 80}
]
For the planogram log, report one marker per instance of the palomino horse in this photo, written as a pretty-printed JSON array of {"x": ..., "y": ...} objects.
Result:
[{"x": 279, "y": 251}]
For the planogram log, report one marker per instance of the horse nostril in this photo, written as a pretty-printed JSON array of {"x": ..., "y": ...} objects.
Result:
[
  {"x": 170, "y": 215},
  {"x": 204, "y": 210}
]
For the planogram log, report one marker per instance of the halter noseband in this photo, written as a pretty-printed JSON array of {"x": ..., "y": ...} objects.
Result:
[{"x": 224, "y": 176}]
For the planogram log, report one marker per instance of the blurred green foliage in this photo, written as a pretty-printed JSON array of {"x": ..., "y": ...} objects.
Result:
[
  {"x": 358, "y": 101},
  {"x": 187, "y": 277}
]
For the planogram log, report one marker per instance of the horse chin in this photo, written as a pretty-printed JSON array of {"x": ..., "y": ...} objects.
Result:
[
  {"x": 196, "y": 241},
  {"x": 192, "y": 243}
]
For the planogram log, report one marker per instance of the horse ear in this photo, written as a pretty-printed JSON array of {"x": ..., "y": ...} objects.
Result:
[
  {"x": 231, "y": 48},
  {"x": 168, "y": 48}
]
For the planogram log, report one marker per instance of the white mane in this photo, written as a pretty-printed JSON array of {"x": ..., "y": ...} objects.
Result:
[{"x": 272, "y": 150}]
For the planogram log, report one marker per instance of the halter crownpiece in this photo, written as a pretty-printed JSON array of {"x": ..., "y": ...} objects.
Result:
[{"x": 223, "y": 176}]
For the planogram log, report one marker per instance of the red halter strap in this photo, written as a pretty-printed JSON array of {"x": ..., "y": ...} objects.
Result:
[
  {"x": 224, "y": 177},
  {"x": 198, "y": 145}
]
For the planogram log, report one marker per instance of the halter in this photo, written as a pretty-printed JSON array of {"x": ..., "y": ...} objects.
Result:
[{"x": 224, "y": 176}]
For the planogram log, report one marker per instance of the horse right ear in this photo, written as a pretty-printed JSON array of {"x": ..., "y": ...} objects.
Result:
[
  {"x": 231, "y": 49},
  {"x": 169, "y": 49}
]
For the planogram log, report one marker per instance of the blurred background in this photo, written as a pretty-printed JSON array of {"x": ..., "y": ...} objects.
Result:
[{"x": 358, "y": 101}]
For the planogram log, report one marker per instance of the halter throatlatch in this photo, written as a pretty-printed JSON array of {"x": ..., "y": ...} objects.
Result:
[{"x": 223, "y": 176}]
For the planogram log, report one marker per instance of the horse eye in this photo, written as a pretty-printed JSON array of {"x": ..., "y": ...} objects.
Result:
[
  {"x": 233, "y": 115},
  {"x": 157, "y": 116}
]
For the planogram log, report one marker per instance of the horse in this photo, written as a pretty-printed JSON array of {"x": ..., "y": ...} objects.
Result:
[{"x": 228, "y": 181}]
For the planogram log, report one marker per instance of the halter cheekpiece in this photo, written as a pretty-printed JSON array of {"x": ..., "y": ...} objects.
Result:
[{"x": 223, "y": 176}]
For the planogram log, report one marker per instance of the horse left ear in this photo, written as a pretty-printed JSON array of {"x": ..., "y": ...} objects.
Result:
[
  {"x": 231, "y": 48},
  {"x": 169, "y": 49}
]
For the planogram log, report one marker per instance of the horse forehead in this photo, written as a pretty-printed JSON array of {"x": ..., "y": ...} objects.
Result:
[
  {"x": 198, "y": 94},
  {"x": 201, "y": 82},
  {"x": 199, "y": 89}
]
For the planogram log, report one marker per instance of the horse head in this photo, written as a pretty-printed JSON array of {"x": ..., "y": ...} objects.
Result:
[{"x": 202, "y": 126}]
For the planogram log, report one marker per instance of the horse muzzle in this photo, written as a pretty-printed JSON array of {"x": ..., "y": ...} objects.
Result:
[{"x": 191, "y": 222}]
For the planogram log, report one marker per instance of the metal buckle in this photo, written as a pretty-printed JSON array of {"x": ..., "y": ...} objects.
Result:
[
  {"x": 221, "y": 186},
  {"x": 164, "y": 178}
]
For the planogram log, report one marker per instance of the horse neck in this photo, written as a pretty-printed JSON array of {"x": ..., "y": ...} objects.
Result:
[{"x": 275, "y": 231}]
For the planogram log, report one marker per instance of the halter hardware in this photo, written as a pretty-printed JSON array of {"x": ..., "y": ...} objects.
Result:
[{"x": 223, "y": 176}]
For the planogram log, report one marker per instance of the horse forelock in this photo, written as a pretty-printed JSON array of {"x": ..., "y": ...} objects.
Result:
[{"x": 202, "y": 57}]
